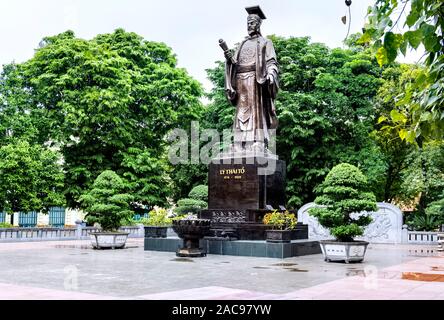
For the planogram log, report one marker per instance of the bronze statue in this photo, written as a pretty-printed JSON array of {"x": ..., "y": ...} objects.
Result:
[{"x": 251, "y": 84}]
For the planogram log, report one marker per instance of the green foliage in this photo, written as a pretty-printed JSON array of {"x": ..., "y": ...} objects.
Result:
[
  {"x": 198, "y": 200},
  {"x": 343, "y": 199},
  {"x": 108, "y": 103},
  {"x": 186, "y": 175},
  {"x": 186, "y": 205},
  {"x": 157, "y": 218},
  {"x": 394, "y": 151},
  {"x": 199, "y": 192},
  {"x": 280, "y": 220},
  {"x": 31, "y": 178},
  {"x": 5, "y": 225},
  {"x": 421, "y": 102},
  {"x": 107, "y": 203},
  {"x": 424, "y": 222},
  {"x": 436, "y": 208},
  {"x": 423, "y": 176}
]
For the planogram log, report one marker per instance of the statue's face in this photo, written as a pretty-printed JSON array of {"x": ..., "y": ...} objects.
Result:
[{"x": 253, "y": 26}]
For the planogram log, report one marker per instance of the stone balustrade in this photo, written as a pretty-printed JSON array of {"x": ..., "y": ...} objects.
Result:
[
  {"x": 419, "y": 237},
  {"x": 68, "y": 233}
]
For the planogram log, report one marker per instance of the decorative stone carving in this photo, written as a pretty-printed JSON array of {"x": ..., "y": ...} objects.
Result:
[
  {"x": 385, "y": 228},
  {"x": 228, "y": 216}
]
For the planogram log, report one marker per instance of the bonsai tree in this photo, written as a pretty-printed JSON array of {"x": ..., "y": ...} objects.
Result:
[
  {"x": 344, "y": 202},
  {"x": 197, "y": 200},
  {"x": 107, "y": 203}
]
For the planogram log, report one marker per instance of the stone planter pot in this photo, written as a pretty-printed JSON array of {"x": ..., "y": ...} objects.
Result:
[
  {"x": 278, "y": 236},
  {"x": 155, "y": 232},
  {"x": 343, "y": 251},
  {"x": 191, "y": 231},
  {"x": 104, "y": 240}
]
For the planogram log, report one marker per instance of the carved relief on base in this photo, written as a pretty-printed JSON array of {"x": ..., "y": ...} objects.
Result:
[{"x": 228, "y": 216}]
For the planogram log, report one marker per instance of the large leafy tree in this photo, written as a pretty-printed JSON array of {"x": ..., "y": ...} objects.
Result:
[
  {"x": 324, "y": 108},
  {"x": 106, "y": 103},
  {"x": 31, "y": 178},
  {"x": 418, "y": 113},
  {"x": 394, "y": 150}
]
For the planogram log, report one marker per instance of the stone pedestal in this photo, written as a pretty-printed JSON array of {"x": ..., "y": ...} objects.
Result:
[
  {"x": 241, "y": 190},
  {"x": 246, "y": 183}
]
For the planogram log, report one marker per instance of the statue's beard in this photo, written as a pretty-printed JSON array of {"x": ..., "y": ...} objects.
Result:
[{"x": 253, "y": 32}]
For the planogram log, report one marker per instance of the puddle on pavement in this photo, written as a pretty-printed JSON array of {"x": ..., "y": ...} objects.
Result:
[
  {"x": 295, "y": 270},
  {"x": 182, "y": 260},
  {"x": 261, "y": 268},
  {"x": 72, "y": 246},
  {"x": 224, "y": 262},
  {"x": 284, "y": 264},
  {"x": 352, "y": 273},
  {"x": 418, "y": 276}
]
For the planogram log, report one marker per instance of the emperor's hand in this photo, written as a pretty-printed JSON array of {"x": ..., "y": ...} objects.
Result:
[{"x": 228, "y": 55}]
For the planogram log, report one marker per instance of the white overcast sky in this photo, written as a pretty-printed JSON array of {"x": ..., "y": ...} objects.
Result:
[{"x": 191, "y": 28}]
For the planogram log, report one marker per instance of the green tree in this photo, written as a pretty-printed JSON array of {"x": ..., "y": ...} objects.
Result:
[
  {"x": 107, "y": 103},
  {"x": 343, "y": 198},
  {"x": 417, "y": 115},
  {"x": 394, "y": 150},
  {"x": 31, "y": 178},
  {"x": 107, "y": 203}
]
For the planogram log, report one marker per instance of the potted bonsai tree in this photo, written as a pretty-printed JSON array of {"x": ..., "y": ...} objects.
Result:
[
  {"x": 196, "y": 201},
  {"x": 282, "y": 223},
  {"x": 108, "y": 205},
  {"x": 344, "y": 206},
  {"x": 157, "y": 223}
]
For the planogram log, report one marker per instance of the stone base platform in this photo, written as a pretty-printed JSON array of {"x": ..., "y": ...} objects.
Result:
[{"x": 248, "y": 248}]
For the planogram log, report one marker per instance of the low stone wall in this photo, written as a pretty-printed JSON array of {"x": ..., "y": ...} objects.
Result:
[{"x": 74, "y": 233}]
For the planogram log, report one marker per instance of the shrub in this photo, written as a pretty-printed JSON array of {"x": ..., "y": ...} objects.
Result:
[
  {"x": 5, "y": 225},
  {"x": 280, "y": 220},
  {"x": 423, "y": 222},
  {"x": 187, "y": 205},
  {"x": 158, "y": 218},
  {"x": 199, "y": 193},
  {"x": 436, "y": 208},
  {"x": 197, "y": 201},
  {"x": 106, "y": 203},
  {"x": 344, "y": 202}
]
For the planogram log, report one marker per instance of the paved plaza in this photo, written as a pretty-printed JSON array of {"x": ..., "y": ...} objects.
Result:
[{"x": 72, "y": 270}]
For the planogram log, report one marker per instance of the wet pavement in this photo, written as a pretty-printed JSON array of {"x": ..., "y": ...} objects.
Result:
[{"x": 73, "y": 270}]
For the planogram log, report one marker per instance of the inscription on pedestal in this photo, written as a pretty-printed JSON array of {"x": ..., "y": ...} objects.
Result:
[
  {"x": 239, "y": 186},
  {"x": 234, "y": 186}
]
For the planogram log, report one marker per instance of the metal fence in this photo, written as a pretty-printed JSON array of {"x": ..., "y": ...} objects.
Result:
[
  {"x": 28, "y": 220},
  {"x": 138, "y": 216},
  {"x": 57, "y": 216}
]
